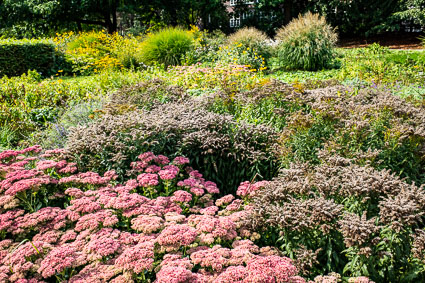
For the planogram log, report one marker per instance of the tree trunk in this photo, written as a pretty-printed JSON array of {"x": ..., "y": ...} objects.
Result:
[
  {"x": 108, "y": 12},
  {"x": 287, "y": 9}
]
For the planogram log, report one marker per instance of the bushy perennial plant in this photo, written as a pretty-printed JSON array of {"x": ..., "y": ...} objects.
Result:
[
  {"x": 228, "y": 151},
  {"x": 162, "y": 225},
  {"x": 344, "y": 218}
]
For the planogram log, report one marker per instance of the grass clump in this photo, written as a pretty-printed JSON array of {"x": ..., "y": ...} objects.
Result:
[
  {"x": 252, "y": 39},
  {"x": 306, "y": 43},
  {"x": 167, "y": 47}
]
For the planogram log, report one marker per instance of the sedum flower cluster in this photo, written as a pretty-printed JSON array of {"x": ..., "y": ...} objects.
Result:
[{"x": 162, "y": 225}]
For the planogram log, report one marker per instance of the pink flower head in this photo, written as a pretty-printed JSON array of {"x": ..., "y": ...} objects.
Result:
[
  {"x": 211, "y": 187},
  {"x": 195, "y": 174},
  {"x": 162, "y": 160},
  {"x": 147, "y": 224},
  {"x": 270, "y": 269},
  {"x": 111, "y": 174},
  {"x": 138, "y": 258},
  {"x": 103, "y": 243},
  {"x": 35, "y": 149},
  {"x": 232, "y": 274},
  {"x": 197, "y": 191},
  {"x": 59, "y": 259},
  {"x": 7, "y": 154},
  {"x": 171, "y": 274},
  {"x": 181, "y": 196},
  {"x": 148, "y": 179},
  {"x": 224, "y": 200},
  {"x": 248, "y": 189},
  {"x": 146, "y": 157},
  {"x": 153, "y": 169},
  {"x": 70, "y": 168},
  {"x": 168, "y": 172},
  {"x": 46, "y": 164},
  {"x": 27, "y": 184},
  {"x": 180, "y": 160},
  {"x": 211, "y": 210},
  {"x": 177, "y": 235}
]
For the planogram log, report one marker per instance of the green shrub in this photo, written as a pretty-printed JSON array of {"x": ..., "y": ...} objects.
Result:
[
  {"x": 7, "y": 137},
  {"x": 92, "y": 52},
  {"x": 306, "y": 43},
  {"x": 166, "y": 47},
  {"x": 19, "y": 56}
]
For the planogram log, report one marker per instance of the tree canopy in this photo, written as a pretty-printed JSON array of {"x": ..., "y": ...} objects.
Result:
[{"x": 21, "y": 18}]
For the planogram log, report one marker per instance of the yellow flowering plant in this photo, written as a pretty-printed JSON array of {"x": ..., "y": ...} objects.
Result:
[
  {"x": 92, "y": 52},
  {"x": 237, "y": 53}
]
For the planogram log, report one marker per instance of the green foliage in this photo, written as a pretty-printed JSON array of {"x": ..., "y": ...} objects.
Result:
[
  {"x": 166, "y": 47},
  {"x": 412, "y": 10},
  {"x": 379, "y": 65},
  {"x": 28, "y": 103},
  {"x": 206, "y": 48},
  {"x": 7, "y": 137},
  {"x": 19, "y": 56},
  {"x": 306, "y": 43},
  {"x": 56, "y": 133}
]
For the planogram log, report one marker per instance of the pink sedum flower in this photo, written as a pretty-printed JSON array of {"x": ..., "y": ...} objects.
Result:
[
  {"x": 180, "y": 160},
  {"x": 181, "y": 196},
  {"x": 175, "y": 236},
  {"x": 148, "y": 179}
]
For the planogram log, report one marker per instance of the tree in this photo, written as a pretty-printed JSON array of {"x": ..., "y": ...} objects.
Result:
[
  {"x": 354, "y": 17},
  {"x": 41, "y": 16},
  {"x": 413, "y": 10}
]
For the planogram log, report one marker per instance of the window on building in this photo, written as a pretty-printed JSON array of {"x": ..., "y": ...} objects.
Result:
[
  {"x": 235, "y": 22},
  {"x": 247, "y": 2}
]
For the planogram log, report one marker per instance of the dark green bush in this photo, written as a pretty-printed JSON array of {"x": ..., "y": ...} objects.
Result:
[{"x": 19, "y": 56}]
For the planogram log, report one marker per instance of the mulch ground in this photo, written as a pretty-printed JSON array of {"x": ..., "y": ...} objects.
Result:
[{"x": 393, "y": 41}]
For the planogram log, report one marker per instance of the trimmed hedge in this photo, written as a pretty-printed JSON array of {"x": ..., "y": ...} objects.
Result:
[{"x": 19, "y": 56}]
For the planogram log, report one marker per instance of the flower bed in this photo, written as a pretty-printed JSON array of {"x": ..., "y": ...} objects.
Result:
[{"x": 162, "y": 225}]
